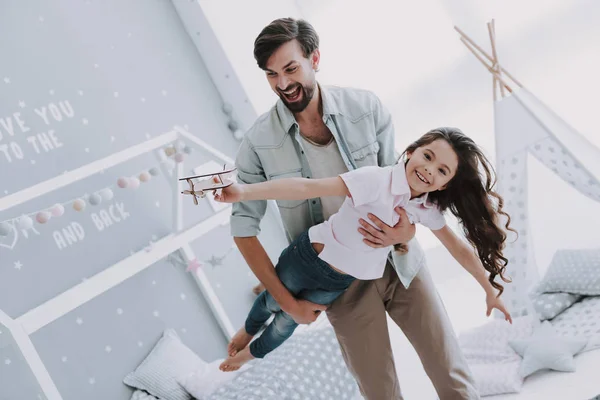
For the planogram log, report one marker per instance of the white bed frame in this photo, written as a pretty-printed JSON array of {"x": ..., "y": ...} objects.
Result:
[{"x": 25, "y": 325}]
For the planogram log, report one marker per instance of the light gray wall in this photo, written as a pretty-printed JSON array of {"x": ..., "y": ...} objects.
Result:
[
  {"x": 128, "y": 319},
  {"x": 130, "y": 72},
  {"x": 16, "y": 379}
]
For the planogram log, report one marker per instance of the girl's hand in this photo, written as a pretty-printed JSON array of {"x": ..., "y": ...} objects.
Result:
[
  {"x": 231, "y": 194},
  {"x": 492, "y": 302}
]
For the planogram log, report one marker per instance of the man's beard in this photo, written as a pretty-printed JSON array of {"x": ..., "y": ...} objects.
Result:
[{"x": 299, "y": 106}]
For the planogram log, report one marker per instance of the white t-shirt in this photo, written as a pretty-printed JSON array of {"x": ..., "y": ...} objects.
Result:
[
  {"x": 325, "y": 161},
  {"x": 377, "y": 191}
]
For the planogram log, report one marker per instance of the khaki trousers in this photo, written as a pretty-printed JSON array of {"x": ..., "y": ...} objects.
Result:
[{"x": 358, "y": 317}]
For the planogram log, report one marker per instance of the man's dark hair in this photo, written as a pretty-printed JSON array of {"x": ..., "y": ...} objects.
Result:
[{"x": 282, "y": 31}]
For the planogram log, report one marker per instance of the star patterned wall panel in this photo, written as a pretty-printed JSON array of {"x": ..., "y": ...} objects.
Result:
[
  {"x": 88, "y": 78},
  {"x": 13, "y": 368},
  {"x": 226, "y": 269},
  {"x": 77, "y": 245},
  {"x": 90, "y": 350},
  {"x": 80, "y": 81}
]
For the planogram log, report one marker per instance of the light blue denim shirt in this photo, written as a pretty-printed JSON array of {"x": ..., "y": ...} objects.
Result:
[{"x": 272, "y": 149}]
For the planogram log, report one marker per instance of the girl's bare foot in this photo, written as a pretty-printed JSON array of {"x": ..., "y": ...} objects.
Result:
[
  {"x": 234, "y": 363},
  {"x": 258, "y": 289},
  {"x": 239, "y": 341}
]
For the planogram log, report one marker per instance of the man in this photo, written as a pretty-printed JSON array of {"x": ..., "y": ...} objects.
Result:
[{"x": 317, "y": 131}]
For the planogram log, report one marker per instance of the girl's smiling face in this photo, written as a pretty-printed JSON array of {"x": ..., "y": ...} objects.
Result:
[{"x": 431, "y": 167}]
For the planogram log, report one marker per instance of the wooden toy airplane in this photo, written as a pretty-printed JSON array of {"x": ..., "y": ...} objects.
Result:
[{"x": 206, "y": 184}]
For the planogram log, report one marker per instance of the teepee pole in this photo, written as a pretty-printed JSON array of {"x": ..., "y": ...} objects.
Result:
[
  {"x": 495, "y": 63},
  {"x": 467, "y": 38},
  {"x": 485, "y": 64}
]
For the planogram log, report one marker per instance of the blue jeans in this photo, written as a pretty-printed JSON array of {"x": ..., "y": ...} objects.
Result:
[{"x": 307, "y": 277}]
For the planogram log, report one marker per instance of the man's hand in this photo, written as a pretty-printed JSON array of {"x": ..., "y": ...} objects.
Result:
[
  {"x": 387, "y": 235},
  {"x": 305, "y": 312}
]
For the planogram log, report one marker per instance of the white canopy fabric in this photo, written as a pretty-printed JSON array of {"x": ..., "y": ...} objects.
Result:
[{"x": 525, "y": 126}]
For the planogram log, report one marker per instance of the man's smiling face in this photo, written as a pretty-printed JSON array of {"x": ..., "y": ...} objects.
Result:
[{"x": 292, "y": 75}]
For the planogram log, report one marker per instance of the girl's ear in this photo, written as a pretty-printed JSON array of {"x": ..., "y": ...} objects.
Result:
[{"x": 446, "y": 185}]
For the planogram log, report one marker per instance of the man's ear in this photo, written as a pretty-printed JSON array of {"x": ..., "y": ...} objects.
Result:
[{"x": 315, "y": 59}]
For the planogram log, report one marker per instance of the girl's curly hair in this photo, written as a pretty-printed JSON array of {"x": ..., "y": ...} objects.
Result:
[{"x": 470, "y": 196}]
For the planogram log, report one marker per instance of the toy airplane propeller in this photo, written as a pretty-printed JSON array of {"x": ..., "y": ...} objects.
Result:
[{"x": 206, "y": 185}]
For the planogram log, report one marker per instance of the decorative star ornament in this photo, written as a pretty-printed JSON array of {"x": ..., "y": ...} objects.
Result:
[
  {"x": 150, "y": 246},
  {"x": 215, "y": 261},
  {"x": 193, "y": 265}
]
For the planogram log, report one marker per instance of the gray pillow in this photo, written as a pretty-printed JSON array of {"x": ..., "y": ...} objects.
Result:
[
  {"x": 549, "y": 305},
  {"x": 168, "y": 360},
  {"x": 545, "y": 349},
  {"x": 573, "y": 271}
]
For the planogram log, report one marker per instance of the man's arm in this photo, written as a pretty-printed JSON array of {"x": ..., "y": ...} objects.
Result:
[
  {"x": 302, "y": 311},
  {"x": 385, "y": 135},
  {"x": 245, "y": 221},
  {"x": 256, "y": 257}
]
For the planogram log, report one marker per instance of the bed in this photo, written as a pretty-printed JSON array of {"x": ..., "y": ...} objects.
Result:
[
  {"x": 307, "y": 366},
  {"x": 579, "y": 319},
  {"x": 290, "y": 377}
]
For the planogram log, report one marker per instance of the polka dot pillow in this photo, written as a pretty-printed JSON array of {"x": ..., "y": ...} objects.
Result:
[
  {"x": 573, "y": 271},
  {"x": 582, "y": 320},
  {"x": 549, "y": 305},
  {"x": 307, "y": 366}
]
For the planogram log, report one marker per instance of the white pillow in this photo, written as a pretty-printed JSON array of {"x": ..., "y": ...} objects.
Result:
[
  {"x": 141, "y": 395},
  {"x": 493, "y": 379},
  {"x": 494, "y": 364},
  {"x": 204, "y": 381},
  {"x": 168, "y": 360},
  {"x": 488, "y": 344}
]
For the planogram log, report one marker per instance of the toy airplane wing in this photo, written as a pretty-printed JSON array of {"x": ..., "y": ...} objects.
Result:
[
  {"x": 198, "y": 189},
  {"x": 218, "y": 173}
]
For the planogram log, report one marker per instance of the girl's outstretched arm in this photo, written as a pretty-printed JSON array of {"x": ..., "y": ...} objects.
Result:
[
  {"x": 468, "y": 259},
  {"x": 283, "y": 189}
]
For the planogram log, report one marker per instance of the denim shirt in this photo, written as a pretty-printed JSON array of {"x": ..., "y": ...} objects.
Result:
[{"x": 272, "y": 149}]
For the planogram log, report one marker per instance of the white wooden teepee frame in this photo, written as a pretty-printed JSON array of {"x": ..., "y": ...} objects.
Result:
[
  {"x": 521, "y": 268},
  {"x": 22, "y": 327},
  {"x": 495, "y": 69}
]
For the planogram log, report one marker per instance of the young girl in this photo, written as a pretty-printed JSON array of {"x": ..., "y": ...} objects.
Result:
[{"x": 441, "y": 171}]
